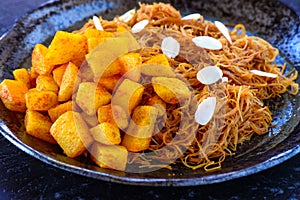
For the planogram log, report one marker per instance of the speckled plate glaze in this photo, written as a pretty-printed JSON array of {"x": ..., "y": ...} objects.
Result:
[{"x": 266, "y": 18}]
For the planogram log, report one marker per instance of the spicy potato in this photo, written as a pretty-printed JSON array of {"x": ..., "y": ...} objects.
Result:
[
  {"x": 40, "y": 100},
  {"x": 44, "y": 82},
  {"x": 39, "y": 61},
  {"x": 109, "y": 156},
  {"x": 38, "y": 125},
  {"x": 66, "y": 47},
  {"x": 89, "y": 97},
  {"x": 60, "y": 109},
  {"x": 58, "y": 73},
  {"x": 106, "y": 133},
  {"x": 171, "y": 90},
  {"x": 67, "y": 83},
  {"x": 110, "y": 82},
  {"x": 71, "y": 133},
  {"x": 12, "y": 94},
  {"x": 23, "y": 76},
  {"x": 113, "y": 114},
  {"x": 128, "y": 95},
  {"x": 140, "y": 130},
  {"x": 131, "y": 66}
]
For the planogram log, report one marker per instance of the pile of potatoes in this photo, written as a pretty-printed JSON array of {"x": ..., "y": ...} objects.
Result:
[{"x": 83, "y": 93}]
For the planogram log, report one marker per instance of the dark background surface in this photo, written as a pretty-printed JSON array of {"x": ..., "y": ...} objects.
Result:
[{"x": 24, "y": 177}]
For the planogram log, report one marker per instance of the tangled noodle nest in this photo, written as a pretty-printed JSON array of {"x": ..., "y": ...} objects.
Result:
[{"x": 239, "y": 112}]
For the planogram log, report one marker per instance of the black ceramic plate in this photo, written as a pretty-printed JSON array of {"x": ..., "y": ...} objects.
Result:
[{"x": 266, "y": 18}]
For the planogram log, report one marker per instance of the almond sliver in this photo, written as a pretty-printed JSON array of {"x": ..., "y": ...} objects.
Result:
[
  {"x": 207, "y": 42},
  {"x": 261, "y": 73},
  {"x": 205, "y": 110},
  {"x": 97, "y": 23},
  {"x": 139, "y": 26},
  {"x": 222, "y": 28},
  {"x": 170, "y": 47},
  {"x": 209, "y": 75}
]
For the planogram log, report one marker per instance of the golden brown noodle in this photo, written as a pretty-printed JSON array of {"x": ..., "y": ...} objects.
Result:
[{"x": 240, "y": 111}]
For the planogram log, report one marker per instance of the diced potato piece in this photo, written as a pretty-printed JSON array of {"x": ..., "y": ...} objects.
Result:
[
  {"x": 110, "y": 82},
  {"x": 44, "y": 82},
  {"x": 86, "y": 73},
  {"x": 67, "y": 84},
  {"x": 40, "y": 100},
  {"x": 12, "y": 94},
  {"x": 113, "y": 114},
  {"x": 130, "y": 66},
  {"x": 38, "y": 125},
  {"x": 91, "y": 32},
  {"x": 58, "y": 73},
  {"x": 60, "y": 109},
  {"x": 91, "y": 120},
  {"x": 157, "y": 70},
  {"x": 109, "y": 156},
  {"x": 140, "y": 130},
  {"x": 128, "y": 95},
  {"x": 157, "y": 102},
  {"x": 106, "y": 133},
  {"x": 121, "y": 29},
  {"x": 158, "y": 65},
  {"x": 39, "y": 61},
  {"x": 33, "y": 75},
  {"x": 67, "y": 47},
  {"x": 71, "y": 133},
  {"x": 171, "y": 90},
  {"x": 101, "y": 59},
  {"x": 89, "y": 97},
  {"x": 93, "y": 42},
  {"x": 23, "y": 76}
]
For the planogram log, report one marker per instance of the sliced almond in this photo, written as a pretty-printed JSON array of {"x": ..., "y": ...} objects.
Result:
[
  {"x": 261, "y": 73},
  {"x": 222, "y": 28},
  {"x": 97, "y": 23},
  {"x": 205, "y": 110},
  {"x": 224, "y": 79},
  {"x": 209, "y": 75},
  {"x": 207, "y": 42},
  {"x": 126, "y": 17},
  {"x": 170, "y": 47},
  {"x": 139, "y": 26},
  {"x": 194, "y": 16}
]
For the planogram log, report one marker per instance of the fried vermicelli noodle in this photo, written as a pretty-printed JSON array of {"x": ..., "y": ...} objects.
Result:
[{"x": 240, "y": 111}]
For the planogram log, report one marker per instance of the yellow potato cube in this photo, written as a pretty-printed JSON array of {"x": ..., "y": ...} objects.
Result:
[
  {"x": 40, "y": 100},
  {"x": 33, "y": 75},
  {"x": 140, "y": 130},
  {"x": 71, "y": 133},
  {"x": 38, "y": 125},
  {"x": 44, "y": 82},
  {"x": 91, "y": 32},
  {"x": 12, "y": 94},
  {"x": 110, "y": 82},
  {"x": 158, "y": 65},
  {"x": 93, "y": 42},
  {"x": 158, "y": 59},
  {"x": 128, "y": 95},
  {"x": 67, "y": 84},
  {"x": 60, "y": 109},
  {"x": 39, "y": 61},
  {"x": 158, "y": 103},
  {"x": 67, "y": 47},
  {"x": 58, "y": 73},
  {"x": 23, "y": 76},
  {"x": 109, "y": 156},
  {"x": 106, "y": 133},
  {"x": 91, "y": 120},
  {"x": 171, "y": 90},
  {"x": 89, "y": 97},
  {"x": 113, "y": 114},
  {"x": 130, "y": 66}
]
